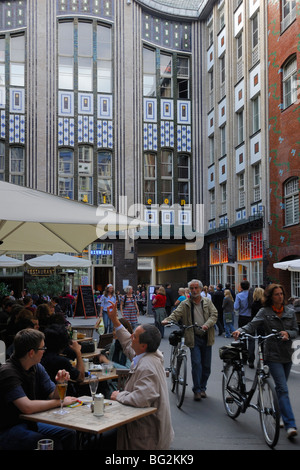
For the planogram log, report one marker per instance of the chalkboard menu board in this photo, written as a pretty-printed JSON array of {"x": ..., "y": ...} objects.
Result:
[{"x": 85, "y": 303}]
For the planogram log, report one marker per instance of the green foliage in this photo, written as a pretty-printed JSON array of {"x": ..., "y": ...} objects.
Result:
[
  {"x": 50, "y": 285},
  {"x": 4, "y": 291}
]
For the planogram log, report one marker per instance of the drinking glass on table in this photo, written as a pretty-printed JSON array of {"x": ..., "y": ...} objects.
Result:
[
  {"x": 93, "y": 383},
  {"x": 62, "y": 390}
]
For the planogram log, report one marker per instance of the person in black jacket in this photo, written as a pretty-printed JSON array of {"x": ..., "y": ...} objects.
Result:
[{"x": 217, "y": 299}]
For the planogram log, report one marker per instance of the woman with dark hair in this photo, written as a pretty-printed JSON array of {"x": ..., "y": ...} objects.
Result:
[{"x": 275, "y": 315}]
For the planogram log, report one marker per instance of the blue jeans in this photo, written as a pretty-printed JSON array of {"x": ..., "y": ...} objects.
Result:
[
  {"x": 22, "y": 437},
  {"x": 280, "y": 373},
  {"x": 201, "y": 363},
  {"x": 108, "y": 326}
]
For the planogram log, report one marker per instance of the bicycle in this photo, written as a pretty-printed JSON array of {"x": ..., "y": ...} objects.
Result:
[
  {"x": 235, "y": 396},
  {"x": 178, "y": 362}
]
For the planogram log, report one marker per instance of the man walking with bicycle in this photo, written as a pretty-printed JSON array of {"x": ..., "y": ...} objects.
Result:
[{"x": 200, "y": 310}]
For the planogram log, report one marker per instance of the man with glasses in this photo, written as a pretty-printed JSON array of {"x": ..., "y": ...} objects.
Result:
[
  {"x": 25, "y": 388},
  {"x": 200, "y": 310}
]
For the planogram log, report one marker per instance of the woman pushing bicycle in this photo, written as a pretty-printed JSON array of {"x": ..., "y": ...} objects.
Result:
[{"x": 276, "y": 316}]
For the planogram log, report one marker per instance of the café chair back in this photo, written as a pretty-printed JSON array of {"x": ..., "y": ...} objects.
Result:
[{"x": 122, "y": 378}]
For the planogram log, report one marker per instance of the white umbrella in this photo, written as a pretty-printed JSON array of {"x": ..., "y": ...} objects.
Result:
[
  {"x": 7, "y": 262},
  {"x": 292, "y": 265},
  {"x": 35, "y": 222},
  {"x": 58, "y": 260}
]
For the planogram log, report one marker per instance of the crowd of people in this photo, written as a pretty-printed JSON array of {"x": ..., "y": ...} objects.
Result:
[{"x": 36, "y": 331}]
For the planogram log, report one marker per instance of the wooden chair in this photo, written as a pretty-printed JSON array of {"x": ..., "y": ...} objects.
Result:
[
  {"x": 86, "y": 330},
  {"x": 122, "y": 378},
  {"x": 105, "y": 340}
]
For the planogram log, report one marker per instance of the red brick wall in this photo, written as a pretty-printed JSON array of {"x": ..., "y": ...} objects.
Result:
[{"x": 284, "y": 141}]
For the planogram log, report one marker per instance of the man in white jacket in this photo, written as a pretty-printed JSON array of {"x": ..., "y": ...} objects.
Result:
[{"x": 145, "y": 387}]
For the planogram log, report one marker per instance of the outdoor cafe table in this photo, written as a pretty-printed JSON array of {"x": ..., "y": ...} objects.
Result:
[{"x": 82, "y": 419}]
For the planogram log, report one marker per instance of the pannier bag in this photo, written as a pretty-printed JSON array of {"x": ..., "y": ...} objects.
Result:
[
  {"x": 229, "y": 353},
  {"x": 175, "y": 337}
]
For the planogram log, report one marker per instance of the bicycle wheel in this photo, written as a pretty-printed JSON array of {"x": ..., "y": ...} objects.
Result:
[
  {"x": 173, "y": 367},
  {"x": 231, "y": 385},
  {"x": 181, "y": 370},
  {"x": 269, "y": 412}
]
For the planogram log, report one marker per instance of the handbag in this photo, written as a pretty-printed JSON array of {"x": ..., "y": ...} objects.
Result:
[
  {"x": 101, "y": 328},
  {"x": 227, "y": 317}
]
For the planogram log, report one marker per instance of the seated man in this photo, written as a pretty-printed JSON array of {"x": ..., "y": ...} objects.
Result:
[
  {"x": 145, "y": 387},
  {"x": 54, "y": 359},
  {"x": 25, "y": 388}
]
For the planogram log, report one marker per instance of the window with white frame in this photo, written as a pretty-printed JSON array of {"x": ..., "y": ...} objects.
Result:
[
  {"x": 255, "y": 104},
  {"x": 295, "y": 284},
  {"x": 289, "y": 79},
  {"x": 257, "y": 182},
  {"x": 291, "y": 201},
  {"x": 212, "y": 200},
  {"x": 255, "y": 39},
  {"x": 288, "y": 13},
  {"x": 223, "y": 140},
  {"x": 241, "y": 188},
  {"x": 223, "y": 198},
  {"x": 240, "y": 127}
]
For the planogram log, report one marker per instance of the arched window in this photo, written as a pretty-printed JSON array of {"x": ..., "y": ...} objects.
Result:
[
  {"x": 291, "y": 201},
  {"x": 289, "y": 82}
]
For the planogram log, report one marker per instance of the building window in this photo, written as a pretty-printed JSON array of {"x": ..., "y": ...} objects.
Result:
[
  {"x": 257, "y": 182},
  {"x": 255, "y": 39},
  {"x": 66, "y": 173},
  {"x": 240, "y": 127},
  {"x": 289, "y": 78},
  {"x": 85, "y": 171},
  {"x": 17, "y": 166},
  {"x": 2, "y": 61},
  {"x": 212, "y": 200},
  {"x": 255, "y": 114},
  {"x": 183, "y": 166},
  {"x": 105, "y": 184},
  {"x": 241, "y": 189},
  {"x": 295, "y": 284},
  {"x": 166, "y": 169},
  {"x": 66, "y": 56},
  {"x": 291, "y": 201},
  {"x": 150, "y": 178},
  {"x": 85, "y": 56},
  {"x": 183, "y": 75},
  {"x": 166, "y": 76},
  {"x": 2, "y": 161},
  {"x": 211, "y": 150},
  {"x": 149, "y": 72},
  {"x": 288, "y": 13},
  {"x": 224, "y": 198},
  {"x": 104, "y": 59},
  {"x": 17, "y": 60},
  {"x": 223, "y": 141}
]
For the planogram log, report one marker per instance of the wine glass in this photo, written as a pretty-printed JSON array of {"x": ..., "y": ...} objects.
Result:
[
  {"x": 62, "y": 390},
  {"x": 93, "y": 383}
]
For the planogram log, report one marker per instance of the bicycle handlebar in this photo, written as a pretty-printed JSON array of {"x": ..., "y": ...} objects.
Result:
[
  {"x": 263, "y": 338},
  {"x": 184, "y": 327}
]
